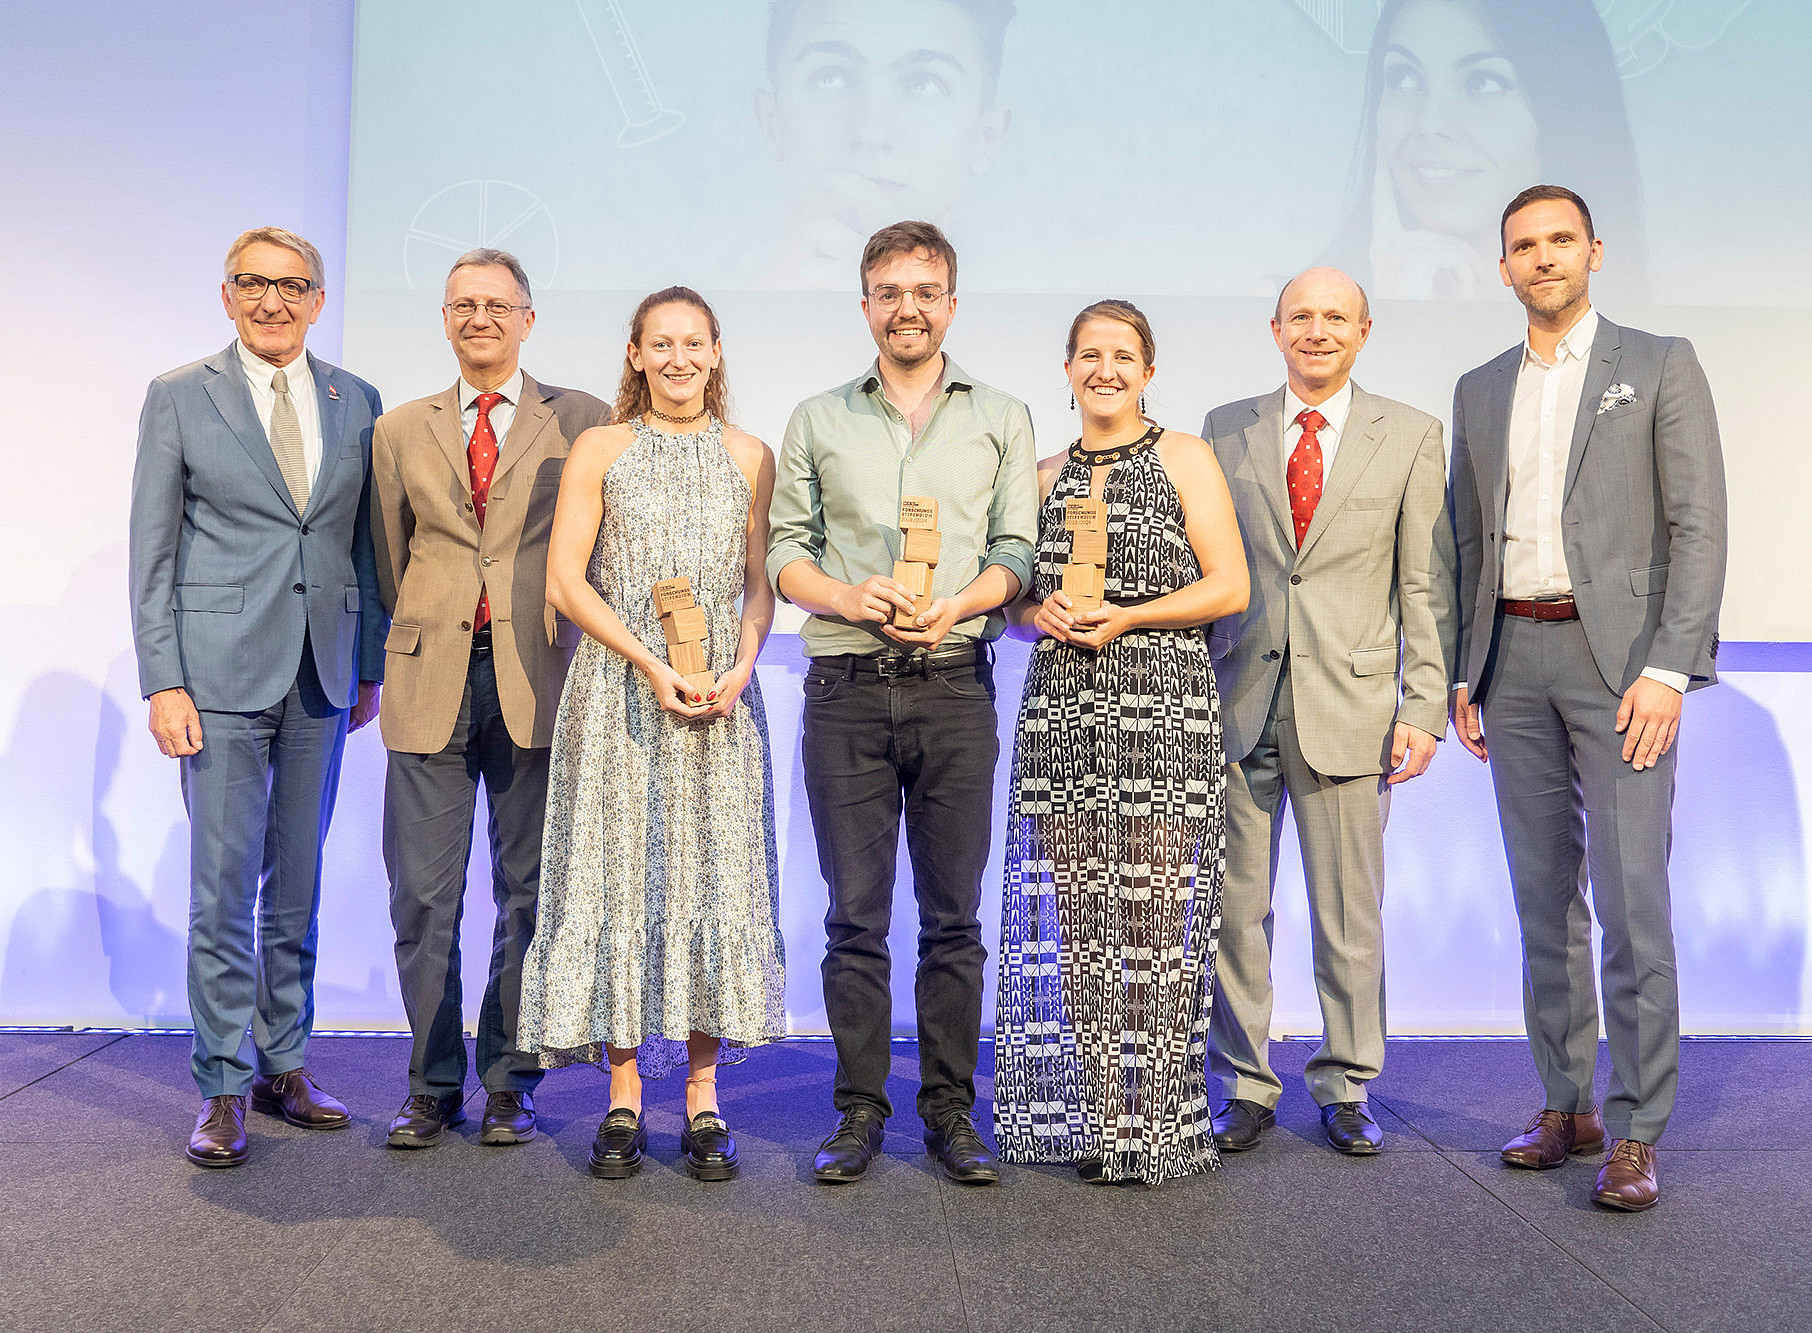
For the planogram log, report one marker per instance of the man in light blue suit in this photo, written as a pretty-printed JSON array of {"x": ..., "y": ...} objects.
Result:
[{"x": 260, "y": 644}]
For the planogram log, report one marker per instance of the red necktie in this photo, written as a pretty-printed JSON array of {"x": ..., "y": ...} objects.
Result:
[
  {"x": 1304, "y": 472},
  {"x": 481, "y": 456}
]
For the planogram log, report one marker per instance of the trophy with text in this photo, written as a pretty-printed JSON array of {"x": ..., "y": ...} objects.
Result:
[
  {"x": 1085, "y": 576},
  {"x": 683, "y": 622},
  {"x": 919, "y": 543}
]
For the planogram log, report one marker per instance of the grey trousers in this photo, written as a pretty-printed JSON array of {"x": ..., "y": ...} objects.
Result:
[
  {"x": 429, "y": 801},
  {"x": 1340, "y": 826},
  {"x": 1573, "y": 812},
  {"x": 260, "y": 794}
]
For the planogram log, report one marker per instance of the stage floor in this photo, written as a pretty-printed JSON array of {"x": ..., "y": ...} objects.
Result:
[{"x": 104, "y": 1225}]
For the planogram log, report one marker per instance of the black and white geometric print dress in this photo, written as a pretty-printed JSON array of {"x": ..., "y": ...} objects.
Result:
[
  {"x": 660, "y": 883},
  {"x": 1116, "y": 845}
]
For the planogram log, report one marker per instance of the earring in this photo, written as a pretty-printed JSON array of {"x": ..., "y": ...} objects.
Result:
[
  {"x": 1141, "y": 404},
  {"x": 1072, "y": 402}
]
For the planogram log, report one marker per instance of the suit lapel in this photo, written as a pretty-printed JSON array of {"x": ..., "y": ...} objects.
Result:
[
  {"x": 1264, "y": 446},
  {"x": 1363, "y": 435},
  {"x": 532, "y": 416},
  {"x": 330, "y": 411},
  {"x": 231, "y": 393},
  {"x": 1501, "y": 397},
  {"x": 1606, "y": 350},
  {"x": 449, "y": 432}
]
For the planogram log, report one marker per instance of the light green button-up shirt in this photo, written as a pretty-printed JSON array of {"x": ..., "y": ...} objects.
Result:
[{"x": 849, "y": 457}]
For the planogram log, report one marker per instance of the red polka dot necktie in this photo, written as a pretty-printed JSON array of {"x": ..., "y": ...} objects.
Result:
[
  {"x": 1304, "y": 471},
  {"x": 481, "y": 457}
]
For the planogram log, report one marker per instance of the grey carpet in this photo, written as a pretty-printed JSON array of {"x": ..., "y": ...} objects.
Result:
[{"x": 104, "y": 1226}]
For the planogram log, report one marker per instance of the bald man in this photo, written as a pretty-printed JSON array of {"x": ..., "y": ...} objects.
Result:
[{"x": 1333, "y": 690}]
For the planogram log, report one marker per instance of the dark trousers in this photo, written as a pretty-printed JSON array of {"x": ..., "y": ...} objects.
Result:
[
  {"x": 429, "y": 801},
  {"x": 1574, "y": 813},
  {"x": 260, "y": 794},
  {"x": 874, "y": 748}
]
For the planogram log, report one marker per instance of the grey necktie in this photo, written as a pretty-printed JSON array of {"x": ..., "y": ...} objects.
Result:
[{"x": 286, "y": 442}]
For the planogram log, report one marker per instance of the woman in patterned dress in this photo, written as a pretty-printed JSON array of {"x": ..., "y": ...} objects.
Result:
[
  {"x": 659, "y": 928},
  {"x": 1115, "y": 841}
]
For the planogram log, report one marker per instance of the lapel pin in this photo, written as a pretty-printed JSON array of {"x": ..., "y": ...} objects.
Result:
[{"x": 333, "y": 393}]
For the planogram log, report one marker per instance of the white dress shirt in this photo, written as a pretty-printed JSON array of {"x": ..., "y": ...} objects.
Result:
[
  {"x": 502, "y": 414},
  {"x": 1541, "y": 442},
  {"x": 302, "y": 393},
  {"x": 1335, "y": 410}
]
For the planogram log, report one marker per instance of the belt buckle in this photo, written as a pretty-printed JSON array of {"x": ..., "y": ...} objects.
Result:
[{"x": 892, "y": 666}]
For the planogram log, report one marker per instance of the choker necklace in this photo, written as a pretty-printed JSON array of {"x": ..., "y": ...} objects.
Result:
[
  {"x": 1117, "y": 453},
  {"x": 679, "y": 421}
]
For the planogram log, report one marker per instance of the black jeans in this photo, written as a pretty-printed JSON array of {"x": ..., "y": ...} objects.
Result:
[
  {"x": 874, "y": 747},
  {"x": 429, "y": 800}
]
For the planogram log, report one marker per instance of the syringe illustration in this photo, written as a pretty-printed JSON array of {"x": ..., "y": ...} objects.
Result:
[{"x": 645, "y": 119}]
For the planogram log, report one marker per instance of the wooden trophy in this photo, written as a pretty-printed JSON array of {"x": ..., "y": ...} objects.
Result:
[
  {"x": 1085, "y": 576},
  {"x": 919, "y": 543},
  {"x": 683, "y": 622}
]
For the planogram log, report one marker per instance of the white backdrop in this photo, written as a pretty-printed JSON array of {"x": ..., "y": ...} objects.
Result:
[{"x": 141, "y": 138}]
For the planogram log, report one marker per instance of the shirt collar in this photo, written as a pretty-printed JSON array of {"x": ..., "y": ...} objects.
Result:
[
  {"x": 511, "y": 389},
  {"x": 953, "y": 378},
  {"x": 260, "y": 372},
  {"x": 1574, "y": 344},
  {"x": 1334, "y": 409}
]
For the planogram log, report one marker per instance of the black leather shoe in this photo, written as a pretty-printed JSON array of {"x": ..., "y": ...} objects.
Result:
[
  {"x": 952, "y": 1140},
  {"x": 710, "y": 1151},
  {"x": 423, "y": 1117},
  {"x": 852, "y": 1145},
  {"x": 1093, "y": 1171},
  {"x": 219, "y": 1137},
  {"x": 1238, "y": 1124},
  {"x": 622, "y": 1139},
  {"x": 1351, "y": 1129},
  {"x": 509, "y": 1117},
  {"x": 299, "y": 1099}
]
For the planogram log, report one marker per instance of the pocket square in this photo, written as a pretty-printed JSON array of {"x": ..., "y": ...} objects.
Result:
[{"x": 1616, "y": 396}]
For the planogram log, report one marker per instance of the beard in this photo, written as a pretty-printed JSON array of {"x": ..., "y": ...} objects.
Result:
[
  {"x": 1552, "y": 300},
  {"x": 909, "y": 358}
]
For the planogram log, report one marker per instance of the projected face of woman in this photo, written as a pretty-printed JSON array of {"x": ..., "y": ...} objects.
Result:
[{"x": 1456, "y": 137}]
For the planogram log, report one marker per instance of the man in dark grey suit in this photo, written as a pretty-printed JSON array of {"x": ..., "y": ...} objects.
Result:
[
  {"x": 1333, "y": 690},
  {"x": 1588, "y": 500},
  {"x": 260, "y": 644}
]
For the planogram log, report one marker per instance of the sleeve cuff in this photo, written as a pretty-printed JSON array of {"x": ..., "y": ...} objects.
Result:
[{"x": 1674, "y": 680}]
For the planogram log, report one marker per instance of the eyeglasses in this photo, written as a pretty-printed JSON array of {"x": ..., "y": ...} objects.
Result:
[
  {"x": 252, "y": 286},
  {"x": 495, "y": 309},
  {"x": 889, "y": 297}
]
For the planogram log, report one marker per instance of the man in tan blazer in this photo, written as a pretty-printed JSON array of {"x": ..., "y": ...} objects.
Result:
[
  {"x": 1333, "y": 688},
  {"x": 464, "y": 484}
]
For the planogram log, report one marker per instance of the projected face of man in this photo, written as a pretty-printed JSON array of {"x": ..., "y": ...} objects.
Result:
[
  {"x": 270, "y": 326},
  {"x": 1455, "y": 135},
  {"x": 1320, "y": 325},
  {"x": 910, "y": 334},
  {"x": 1548, "y": 262},
  {"x": 489, "y": 347},
  {"x": 878, "y": 111}
]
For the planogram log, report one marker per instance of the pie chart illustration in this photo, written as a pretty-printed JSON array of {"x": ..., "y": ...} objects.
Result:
[{"x": 476, "y": 213}]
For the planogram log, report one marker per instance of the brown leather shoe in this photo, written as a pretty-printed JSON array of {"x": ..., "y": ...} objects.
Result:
[
  {"x": 1627, "y": 1179},
  {"x": 1552, "y": 1136},
  {"x": 298, "y": 1099},
  {"x": 219, "y": 1137}
]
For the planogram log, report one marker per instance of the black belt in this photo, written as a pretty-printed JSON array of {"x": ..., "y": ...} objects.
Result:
[
  {"x": 892, "y": 666},
  {"x": 481, "y": 640}
]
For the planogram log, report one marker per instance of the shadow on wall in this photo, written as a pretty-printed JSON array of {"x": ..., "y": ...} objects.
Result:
[{"x": 85, "y": 938}]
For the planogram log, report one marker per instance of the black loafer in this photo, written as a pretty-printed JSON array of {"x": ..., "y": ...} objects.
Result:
[
  {"x": 852, "y": 1145},
  {"x": 622, "y": 1139},
  {"x": 953, "y": 1142},
  {"x": 1238, "y": 1124},
  {"x": 1351, "y": 1129},
  {"x": 509, "y": 1117},
  {"x": 710, "y": 1151},
  {"x": 423, "y": 1117}
]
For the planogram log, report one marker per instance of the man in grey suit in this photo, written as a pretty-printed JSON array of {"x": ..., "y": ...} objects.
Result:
[
  {"x": 260, "y": 644},
  {"x": 1588, "y": 500},
  {"x": 1333, "y": 690}
]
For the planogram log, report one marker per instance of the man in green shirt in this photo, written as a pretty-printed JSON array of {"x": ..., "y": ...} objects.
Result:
[{"x": 901, "y": 720}]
